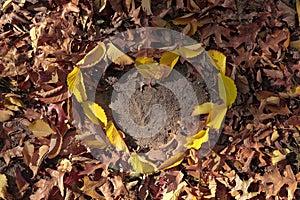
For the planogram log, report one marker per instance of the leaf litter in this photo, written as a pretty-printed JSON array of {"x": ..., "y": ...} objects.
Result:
[{"x": 255, "y": 45}]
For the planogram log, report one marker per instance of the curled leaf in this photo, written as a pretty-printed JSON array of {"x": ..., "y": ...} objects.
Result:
[{"x": 196, "y": 141}]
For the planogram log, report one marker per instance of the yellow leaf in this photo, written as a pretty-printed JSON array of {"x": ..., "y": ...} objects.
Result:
[
  {"x": 94, "y": 112},
  {"x": 6, "y": 5},
  {"x": 12, "y": 102},
  {"x": 277, "y": 156},
  {"x": 184, "y": 19},
  {"x": 146, "y": 5},
  {"x": 140, "y": 165},
  {"x": 217, "y": 116},
  {"x": 169, "y": 59},
  {"x": 219, "y": 60},
  {"x": 190, "y": 51},
  {"x": 175, "y": 194},
  {"x": 298, "y": 10},
  {"x": 227, "y": 89},
  {"x": 76, "y": 84},
  {"x": 115, "y": 137},
  {"x": 93, "y": 56},
  {"x": 3, "y": 186},
  {"x": 196, "y": 141},
  {"x": 173, "y": 161},
  {"x": 40, "y": 128},
  {"x": 216, "y": 113},
  {"x": 117, "y": 56},
  {"x": 204, "y": 108},
  {"x": 144, "y": 60}
]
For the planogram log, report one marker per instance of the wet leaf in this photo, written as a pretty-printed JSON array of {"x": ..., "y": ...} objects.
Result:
[
  {"x": 219, "y": 59},
  {"x": 227, "y": 89},
  {"x": 141, "y": 165},
  {"x": 76, "y": 84},
  {"x": 94, "y": 112},
  {"x": 117, "y": 56},
  {"x": 40, "y": 128},
  {"x": 196, "y": 141},
  {"x": 115, "y": 137},
  {"x": 93, "y": 56}
]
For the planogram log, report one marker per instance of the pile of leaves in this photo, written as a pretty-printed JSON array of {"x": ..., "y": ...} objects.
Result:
[{"x": 47, "y": 45}]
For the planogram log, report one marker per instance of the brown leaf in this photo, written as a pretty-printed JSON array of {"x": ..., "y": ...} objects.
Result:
[{"x": 89, "y": 187}]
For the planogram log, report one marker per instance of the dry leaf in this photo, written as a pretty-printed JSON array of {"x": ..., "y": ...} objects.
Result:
[
  {"x": 76, "y": 84},
  {"x": 227, "y": 89},
  {"x": 5, "y": 115},
  {"x": 219, "y": 60},
  {"x": 117, "y": 56},
  {"x": 40, "y": 128},
  {"x": 115, "y": 137},
  {"x": 3, "y": 186},
  {"x": 141, "y": 165},
  {"x": 94, "y": 112},
  {"x": 146, "y": 5},
  {"x": 172, "y": 162},
  {"x": 92, "y": 57}
]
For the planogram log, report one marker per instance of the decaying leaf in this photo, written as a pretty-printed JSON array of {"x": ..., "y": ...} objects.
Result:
[
  {"x": 94, "y": 112},
  {"x": 40, "y": 128},
  {"x": 141, "y": 165},
  {"x": 76, "y": 84},
  {"x": 115, "y": 137}
]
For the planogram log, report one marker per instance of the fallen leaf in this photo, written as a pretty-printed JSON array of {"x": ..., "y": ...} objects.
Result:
[
  {"x": 117, "y": 56},
  {"x": 13, "y": 102},
  {"x": 227, "y": 89},
  {"x": 76, "y": 84},
  {"x": 3, "y": 186},
  {"x": 94, "y": 112},
  {"x": 146, "y": 5},
  {"x": 141, "y": 165},
  {"x": 298, "y": 10},
  {"x": 219, "y": 60},
  {"x": 173, "y": 195},
  {"x": 190, "y": 51},
  {"x": 100, "y": 4},
  {"x": 196, "y": 141},
  {"x": 89, "y": 187},
  {"x": 172, "y": 162},
  {"x": 40, "y": 128},
  {"x": 169, "y": 59},
  {"x": 92, "y": 57},
  {"x": 5, "y": 115},
  {"x": 115, "y": 137}
]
